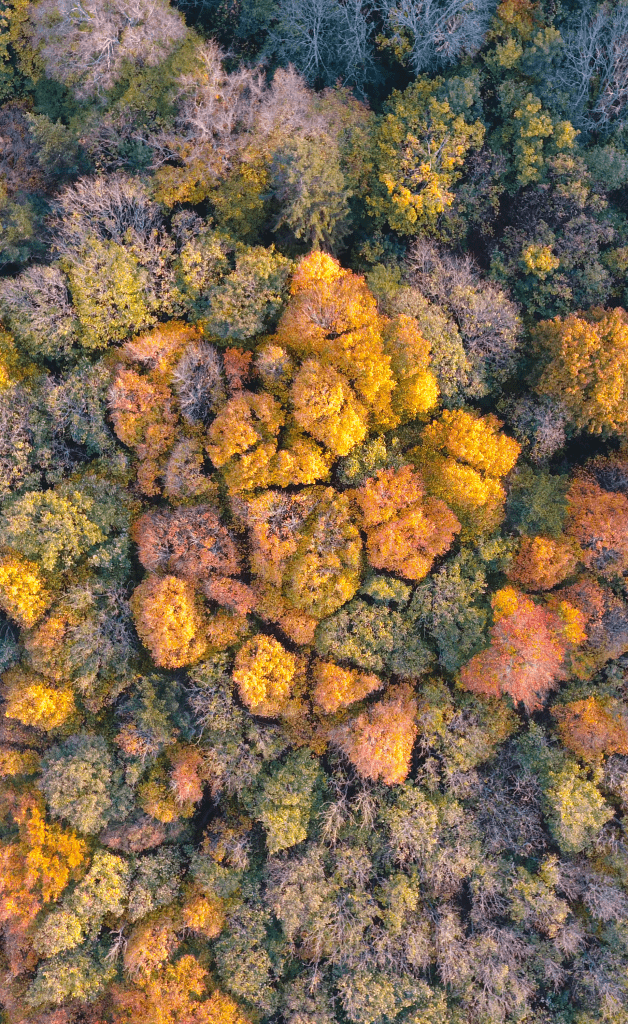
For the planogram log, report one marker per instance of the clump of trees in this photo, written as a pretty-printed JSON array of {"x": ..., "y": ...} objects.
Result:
[{"x": 313, "y": 512}]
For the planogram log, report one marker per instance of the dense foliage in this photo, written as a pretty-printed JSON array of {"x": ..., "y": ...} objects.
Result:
[{"x": 313, "y": 512}]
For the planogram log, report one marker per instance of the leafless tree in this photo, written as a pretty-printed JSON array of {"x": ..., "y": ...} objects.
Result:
[
  {"x": 326, "y": 39},
  {"x": 487, "y": 319},
  {"x": 85, "y": 43},
  {"x": 112, "y": 208},
  {"x": 441, "y": 31},
  {"x": 216, "y": 111},
  {"x": 198, "y": 382},
  {"x": 39, "y": 311},
  {"x": 594, "y": 68}
]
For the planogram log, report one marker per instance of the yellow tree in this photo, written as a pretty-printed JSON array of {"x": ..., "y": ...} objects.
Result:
[
  {"x": 586, "y": 367},
  {"x": 264, "y": 671},
  {"x": 170, "y": 621},
  {"x": 462, "y": 456},
  {"x": 23, "y": 592}
]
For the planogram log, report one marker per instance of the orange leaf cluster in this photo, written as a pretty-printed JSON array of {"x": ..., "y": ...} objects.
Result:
[
  {"x": 336, "y": 687},
  {"x": 598, "y": 520},
  {"x": 188, "y": 542},
  {"x": 526, "y": 655},
  {"x": 591, "y": 728},
  {"x": 379, "y": 741},
  {"x": 542, "y": 563},
  {"x": 405, "y": 531}
]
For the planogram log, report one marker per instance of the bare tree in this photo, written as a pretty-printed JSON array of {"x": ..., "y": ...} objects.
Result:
[
  {"x": 440, "y": 31},
  {"x": 326, "y": 40},
  {"x": 114, "y": 208},
  {"x": 85, "y": 43},
  {"x": 594, "y": 69}
]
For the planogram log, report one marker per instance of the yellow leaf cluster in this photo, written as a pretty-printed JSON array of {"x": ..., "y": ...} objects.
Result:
[
  {"x": 587, "y": 367},
  {"x": 462, "y": 455},
  {"x": 336, "y": 687},
  {"x": 169, "y": 621},
  {"x": 33, "y": 702},
  {"x": 23, "y": 593},
  {"x": 263, "y": 673}
]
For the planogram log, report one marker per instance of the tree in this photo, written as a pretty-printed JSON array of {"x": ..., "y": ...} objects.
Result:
[
  {"x": 325, "y": 406},
  {"x": 528, "y": 647},
  {"x": 188, "y": 542},
  {"x": 461, "y": 457},
  {"x": 31, "y": 701},
  {"x": 249, "y": 300},
  {"x": 89, "y": 48},
  {"x": 542, "y": 563},
  {"x": 430, "y": 34},
  {"x": 488, "y": 321},
  {"x": 23, "y": 592},
  {"x": 575, "y": 808},
  {"x": 81, "y": 784},
  {"x": 325, "y": 570},
  {"x": 284, "y": 798},
  {"x": 332, "y": 317},
  {"x": 336, "y": 687},
  {"x": 586, "y": 367},
  {"x": 448, "y": 607},
  {"x": 38, "y": 867},
  {"x": 379, "y": 741},
  {"x": 596, "y": 519},
  {"x": 592, "y": 71},
  {"x": 404, "y": 530},
  {"x": 170, "y": 620},
  {"x": 51, "y": 529},
  {"x": 417, "y": 391},
  {"x": 39, "y": 311},
  {"x": 375, "y": 638},
  {"x": 198, "y": 382},
  {"x": 143, "y": 415},
  {"x": 326, "y": 40},
  {"x": 591, "y": 728},
  {"x": 419, "y": 149},
  {"x": 263, "y": 673},
  {"x": 309, "y": 187}
]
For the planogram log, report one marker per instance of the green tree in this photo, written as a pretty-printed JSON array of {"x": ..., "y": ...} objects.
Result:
[{"x": 82, "y": 785}]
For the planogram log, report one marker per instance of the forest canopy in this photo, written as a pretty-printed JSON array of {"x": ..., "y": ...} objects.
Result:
[{"x": 313, "y": 512}]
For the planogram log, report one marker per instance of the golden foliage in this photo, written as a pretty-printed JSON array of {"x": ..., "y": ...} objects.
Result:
[
  {"x": 263, "y": 673},
  {"x": 336, "y": 687},
  {"x": 325, "y": 407},
  {"x": 38, "y": 867},
  {"x": 587, "y": 367},
  {"x": 461, "y": 456},
  {"x": 32, "y": 701},
  {"x": 417, "y": 388},
  {"x": 170, "y": 621},
  {"x": 332, "y": 317},
  {"x": 23, "y": 593},
  {"x": 174, "y": 994}
]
